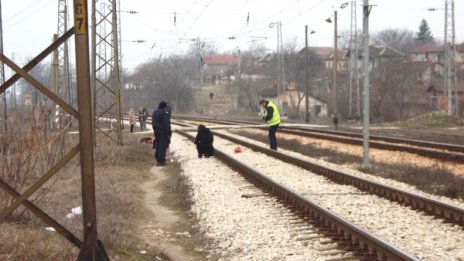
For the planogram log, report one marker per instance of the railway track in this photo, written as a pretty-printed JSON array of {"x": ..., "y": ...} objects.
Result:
[
  {"x": 435, "y": 150},
  {"x": 296, "y": 200},
  {"x": 365, "y": 245}
]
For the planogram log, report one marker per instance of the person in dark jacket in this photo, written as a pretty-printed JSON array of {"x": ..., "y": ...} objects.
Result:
[
  {"x": 161, "y": 123},
  {"x": 272, "y": 118},
  {"x": 204, "y": 141}
]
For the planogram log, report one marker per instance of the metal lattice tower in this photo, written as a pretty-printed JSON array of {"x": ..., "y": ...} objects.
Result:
[
  {"x": 3, "y": 107},
  {"x": 450, "y": 59},
  {"x": 106, "y": 81},
  {"x": 60, "y": 67},
  {"x": 63, "y": 52},
  {"x": 355, "y": 105}
]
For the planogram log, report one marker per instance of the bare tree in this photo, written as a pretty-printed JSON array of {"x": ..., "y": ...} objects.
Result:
[{"x": 402, "y": 40}]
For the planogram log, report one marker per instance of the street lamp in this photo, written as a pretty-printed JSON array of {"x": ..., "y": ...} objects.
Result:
[
  {"x": 335, "y": 66},
  {"x": 280, "y": 59},
  {"x": 307, "y": 73}
]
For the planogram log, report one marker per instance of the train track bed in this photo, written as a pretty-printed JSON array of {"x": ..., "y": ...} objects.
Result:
[
  {"x": 414, "y": 232},
  {"x": 348, "y": 169},
  {"x": 381, "y": 156},
  {"x": 239, "y": 221}
]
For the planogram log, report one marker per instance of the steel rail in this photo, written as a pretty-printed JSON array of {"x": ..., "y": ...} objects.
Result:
[
  {"x": 433, "y": 207},
  {"x": 341, "y": 230},
  {"x": 414, "y": 142},
  {"x": 430, "y": 153}
]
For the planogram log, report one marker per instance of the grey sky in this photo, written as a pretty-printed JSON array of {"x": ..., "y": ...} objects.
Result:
[{"x": 28, "y": 25}]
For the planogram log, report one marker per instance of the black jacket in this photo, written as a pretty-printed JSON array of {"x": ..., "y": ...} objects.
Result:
[
  {"x": 204, "y": 141},
  {"x": 161, "y": 122}
]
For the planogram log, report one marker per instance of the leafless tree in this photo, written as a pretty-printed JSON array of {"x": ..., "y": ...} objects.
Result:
[{"x": 402, "y": 40}]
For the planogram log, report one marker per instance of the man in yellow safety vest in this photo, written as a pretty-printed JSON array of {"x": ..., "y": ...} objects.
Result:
[{"x": 272, "y": 118}]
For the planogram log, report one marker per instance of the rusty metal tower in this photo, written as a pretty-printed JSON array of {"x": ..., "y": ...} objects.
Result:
[
  {"x": 60, "y": 78},
  {"x": 63, "y": 52},
  {"x": 90, "y": 247},
  {"x": 106, "y": 79},
  {"x": 355, "y": 105},
  {"x": 450, "y": 59},
  {"x": 3, "y": 107}
]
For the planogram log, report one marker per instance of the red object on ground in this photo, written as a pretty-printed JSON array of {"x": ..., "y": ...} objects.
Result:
[
  {"x": 238, "y": 149},
  {"x": 148, "y": 140}
]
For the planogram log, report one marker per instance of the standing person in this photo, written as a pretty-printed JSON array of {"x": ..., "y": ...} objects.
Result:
[
  {"x": 132, "y": 119},
  {"x": 140, "y": 118},
  {"x": 161, "y": 122},
  {"x": 272, "y": 118},
  {"x": 143, "y": 123}
]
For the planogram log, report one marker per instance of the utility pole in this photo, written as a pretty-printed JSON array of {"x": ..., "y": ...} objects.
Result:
[
  {"x": 237, "y": 80},
  {"x": 306, "y": 77},
  {"x": 280, "y": 63},
  {"x": 450, "y": 60},
  {"x": 366, "y": 12},
  {"x": 14, "y": 105},
  {"x": 335, "y": 69},
  {"x": 3, "y": 105},
  {"x": 199, "y": 58},
  {"x": 91, "y": 248},
  {"x": 354, "y": 105},
  {"x": 55, "y": 82}
]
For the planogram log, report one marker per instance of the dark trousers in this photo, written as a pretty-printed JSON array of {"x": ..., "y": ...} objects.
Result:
[
  {"x": 272, "y": 137},
  {"x": 161, "y": 145},
  {"x": 132, "y": 127}
]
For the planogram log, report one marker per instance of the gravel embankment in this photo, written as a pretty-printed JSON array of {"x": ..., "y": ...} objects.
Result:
[
  {"x": 243, "y": 228},
  {"x": 420, "y": 235}
]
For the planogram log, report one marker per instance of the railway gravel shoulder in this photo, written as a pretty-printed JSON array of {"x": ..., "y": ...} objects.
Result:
[{"x": 419, "y": 234}]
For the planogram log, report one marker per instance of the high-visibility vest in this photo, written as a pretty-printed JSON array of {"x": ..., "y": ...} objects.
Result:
[{"x": 275, "y": 115}]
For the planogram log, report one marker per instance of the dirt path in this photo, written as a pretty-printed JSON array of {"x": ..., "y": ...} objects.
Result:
[{"x": 163, "y": 230}]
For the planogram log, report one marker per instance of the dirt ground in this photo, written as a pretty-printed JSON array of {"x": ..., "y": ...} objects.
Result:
[{"x": 169, "y": 229}]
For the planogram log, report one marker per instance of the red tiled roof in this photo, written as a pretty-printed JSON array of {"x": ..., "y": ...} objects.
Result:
[
  {"x": 221, "y": 59},
  {"x": 429, "y": 49}
]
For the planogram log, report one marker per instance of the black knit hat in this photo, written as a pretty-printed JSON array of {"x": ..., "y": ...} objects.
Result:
[{"x": 162, "y": 105}]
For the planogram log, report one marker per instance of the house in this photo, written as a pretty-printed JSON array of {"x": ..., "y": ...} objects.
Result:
[
  {"x": 291, "y": 102},
  {"x": 438, "y": 95},
  {"x": 327, "y": 55},
  {"x": 379, "y": 56},
  {"x": 435, "y": 53},
  {"x": 217, "y": 69}
]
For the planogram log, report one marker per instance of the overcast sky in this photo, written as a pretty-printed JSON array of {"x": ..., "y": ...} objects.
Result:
[{"x": 28, "y": 25}]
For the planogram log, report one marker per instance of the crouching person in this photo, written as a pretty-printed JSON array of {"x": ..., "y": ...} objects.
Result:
[{"x": 204, "y": 142}]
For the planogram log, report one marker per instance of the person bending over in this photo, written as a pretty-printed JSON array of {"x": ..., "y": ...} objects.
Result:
[
  {"x": 272, "y": 118},
  {"x": 204, "y": 141}
]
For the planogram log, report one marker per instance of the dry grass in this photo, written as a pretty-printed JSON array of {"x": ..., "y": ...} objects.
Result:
[
  {"x": 436, "y": 180},
  {"x": 118, "y": 172}
]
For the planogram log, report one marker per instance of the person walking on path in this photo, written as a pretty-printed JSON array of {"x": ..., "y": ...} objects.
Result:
[
  {"x": 272, "y": 118},
  {"x": 161, "y": 122},
  {"x": 132, "y": 120}
]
